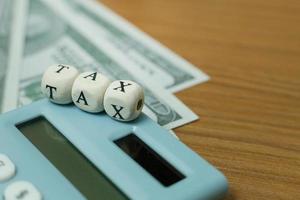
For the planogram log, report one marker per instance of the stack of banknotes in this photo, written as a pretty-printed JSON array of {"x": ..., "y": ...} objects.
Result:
[{"x": 37, "y": 33}]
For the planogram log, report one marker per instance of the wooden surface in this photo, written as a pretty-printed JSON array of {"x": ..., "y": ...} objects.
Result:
[{"x": 250, "y": 109}]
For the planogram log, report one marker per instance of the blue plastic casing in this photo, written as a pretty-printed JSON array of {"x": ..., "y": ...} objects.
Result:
[{"x": 93, "y": 135}]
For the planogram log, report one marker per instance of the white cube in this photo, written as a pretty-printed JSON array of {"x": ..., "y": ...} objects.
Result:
[
  {"x": 124, "y": 100},
  {"x": 88, "y": 91},
  {"x": 57, "y": 83}
]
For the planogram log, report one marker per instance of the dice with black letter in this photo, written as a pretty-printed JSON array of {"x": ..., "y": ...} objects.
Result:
[
  {"x": 57, "y": 83},
  {"x": 124, "y": 100},
  {"x": 88, "y": 91}
]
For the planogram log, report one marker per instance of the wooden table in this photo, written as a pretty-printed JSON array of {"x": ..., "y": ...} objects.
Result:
[{"x": 250, "y": 109}]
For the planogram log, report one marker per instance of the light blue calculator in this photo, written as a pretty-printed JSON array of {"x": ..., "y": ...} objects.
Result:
[{"x": 58, "y": 152}]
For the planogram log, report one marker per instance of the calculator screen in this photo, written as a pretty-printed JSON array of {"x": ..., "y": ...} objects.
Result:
[{"x": 69, "y": 160}]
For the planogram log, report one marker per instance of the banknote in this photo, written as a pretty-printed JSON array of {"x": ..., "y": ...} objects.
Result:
[
  {"x": 12, "y": 23},
  {"x": 6, "y": 15},
  {"x": 152, "y": 58},
  {"x": 4, "y": 45},
  {"x": 53, "y": 36}
]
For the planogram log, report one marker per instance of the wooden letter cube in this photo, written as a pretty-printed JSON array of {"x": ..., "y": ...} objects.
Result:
[
  {"x": 57, "y": 83},
  {"x": 124, "y": 100},
  {"x": 88, "y": 91}
]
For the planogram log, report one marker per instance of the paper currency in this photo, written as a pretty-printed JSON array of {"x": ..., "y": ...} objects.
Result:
[
  {"x": 6, "y": 15},
  {"x": 12, "y": 14},
  {"x": 155, "y": 61},
  {"x": 53, "y": 36},
  {"x": 4, "y": 47}
]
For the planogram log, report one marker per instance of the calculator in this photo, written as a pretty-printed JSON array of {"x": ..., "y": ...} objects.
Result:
[{"x": 59, "y": 152}]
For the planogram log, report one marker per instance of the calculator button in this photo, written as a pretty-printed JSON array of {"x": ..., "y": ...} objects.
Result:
[
  {"x": 22, "y": 190},
  {"x": 7, "y": 168}
]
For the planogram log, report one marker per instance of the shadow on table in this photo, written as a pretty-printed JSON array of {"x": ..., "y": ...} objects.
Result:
[{"x": 230, "y": 196}]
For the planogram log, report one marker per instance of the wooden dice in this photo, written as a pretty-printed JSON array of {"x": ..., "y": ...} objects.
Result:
[
  {"x": 124, "y": 100},
  {"x": 88, "y": 91},
  {"x": 57, "y": 83},
  {"x": 93, "y": 92}
]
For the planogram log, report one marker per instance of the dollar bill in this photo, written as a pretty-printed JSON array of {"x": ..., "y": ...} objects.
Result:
[
  {"x": 53, "y": 36},
  {"x": 5, "y": 19},
  {"x": 12, "y": 23},
  {"x": 153, "y": 59}
]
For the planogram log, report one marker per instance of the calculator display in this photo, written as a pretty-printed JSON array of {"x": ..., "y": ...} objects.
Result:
[
  {"x": 151, "y": 161},
  {"x": 69, "y": 160}
]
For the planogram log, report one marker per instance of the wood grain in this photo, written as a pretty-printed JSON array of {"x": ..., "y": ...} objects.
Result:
[{"x": 250, "y": 109}]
